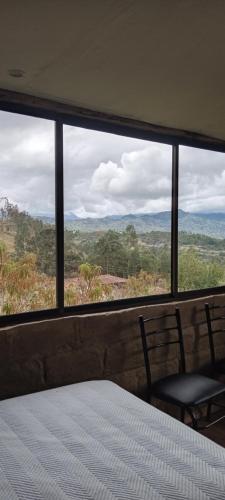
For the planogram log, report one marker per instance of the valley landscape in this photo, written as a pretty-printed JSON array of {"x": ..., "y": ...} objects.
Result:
[{"x": 106, "y": 258}]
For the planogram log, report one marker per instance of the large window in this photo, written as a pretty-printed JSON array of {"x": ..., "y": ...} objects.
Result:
[
  {"x": 201, "y": 219},
  {"x": 117, "y": 216},
  {"x": 91, "y": 218},
  {"x": 27, "y": 214}
]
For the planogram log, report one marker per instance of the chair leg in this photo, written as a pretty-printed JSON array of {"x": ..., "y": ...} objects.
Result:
[
  {"x": 182, "y": 414},
  {"x": 193, "y": 419},
  {"x": 149, "y": 398},
  {"x": 209, "y": 407}
]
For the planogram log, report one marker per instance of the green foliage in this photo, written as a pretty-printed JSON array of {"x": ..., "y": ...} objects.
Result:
[
  {"x": 73, "y": 254},
  {"x": 195, "y": 273},
  {"x": 133, "y": 261},
  {"x": 22, "y": 288},
  {"x": 45, "y": 244},
  {"x": 91, "y": 289},
  {"x": 89, "y": 272},
  {"x": 110, "y": 254},
  {"x": 199, "y": 240},
  {"x": 156, "y": 260},
  {"x": 132, "y": 250},
  {"x": 130, "y": 236},
  {"x": 87, "y": 287},
  {"x": 28, "y": 263}
]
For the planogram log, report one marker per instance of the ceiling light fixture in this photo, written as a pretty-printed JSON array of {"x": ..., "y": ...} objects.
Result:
[{"x": 16, "y": 73}]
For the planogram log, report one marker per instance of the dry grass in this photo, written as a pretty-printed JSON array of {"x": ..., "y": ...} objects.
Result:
[{"x": 9, "y": 240}]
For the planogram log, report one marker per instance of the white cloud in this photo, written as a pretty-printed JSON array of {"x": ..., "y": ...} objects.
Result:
[
  {"x": 27, "y": 162},
  {"x": 202, "y": 180},
  {"x": 104, "y": 173},
  {"x": 140, "y": 182}
]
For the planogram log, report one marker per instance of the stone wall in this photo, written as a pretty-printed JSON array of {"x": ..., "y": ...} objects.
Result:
[{"x": 51, "y": 353}]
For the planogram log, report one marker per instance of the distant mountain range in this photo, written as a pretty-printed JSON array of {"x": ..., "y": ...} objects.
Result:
[
  {"x": 49, "y": 219},
  {"x": 211, "y": 224}
]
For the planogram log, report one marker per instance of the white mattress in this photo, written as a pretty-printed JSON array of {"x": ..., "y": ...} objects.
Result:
[{"x": 96, "y": 441}]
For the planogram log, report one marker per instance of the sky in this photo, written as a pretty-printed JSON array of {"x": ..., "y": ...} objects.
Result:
[{"x": 104, "y": 174}]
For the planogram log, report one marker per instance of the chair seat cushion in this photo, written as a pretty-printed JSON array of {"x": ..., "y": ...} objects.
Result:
[{"x": 188, "y": 389}]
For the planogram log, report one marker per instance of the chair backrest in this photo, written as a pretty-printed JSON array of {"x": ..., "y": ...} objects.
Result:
[
  {"x": 147, "y": 334},
  {"x": 214, "y": 314}
]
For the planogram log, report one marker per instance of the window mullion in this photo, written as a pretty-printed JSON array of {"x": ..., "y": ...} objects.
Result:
[
  {"x": 174, "y": 221},
  {"x": 59, "y": 215}
]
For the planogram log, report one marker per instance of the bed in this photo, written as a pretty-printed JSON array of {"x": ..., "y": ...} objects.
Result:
[{"x": 94, "y": 440}]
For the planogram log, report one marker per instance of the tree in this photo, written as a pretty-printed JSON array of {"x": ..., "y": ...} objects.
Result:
[
  {"x": 164, "y": 260},
  {"x": 131, "y": 245},
  {"x": 130, "y": 235},
  {"x": 195, "y": 273},
  {"x": 110, "y": 254},
  {"x": 45, "y": 244},
  {"x": 87, "y": 286},
  {"x": 156, "y": 260},
  {"x": 148, "y": 260},
  {"x": 73, "y": 255},
  {"x": 22, "y": 287},
  {"x": 133, "y": 261}
]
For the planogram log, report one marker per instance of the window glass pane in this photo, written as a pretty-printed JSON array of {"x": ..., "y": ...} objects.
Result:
[
  {"x": 117, "y": 216},
  {"x": 27, "y": 214},
  {"x": 201, "y": 219}
]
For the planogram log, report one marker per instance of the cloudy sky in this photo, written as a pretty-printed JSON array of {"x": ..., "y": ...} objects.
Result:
[{"x": 104, "y": 174}]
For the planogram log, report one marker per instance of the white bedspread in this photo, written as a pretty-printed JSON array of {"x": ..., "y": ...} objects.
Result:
[{"x": 96, "y": 441}]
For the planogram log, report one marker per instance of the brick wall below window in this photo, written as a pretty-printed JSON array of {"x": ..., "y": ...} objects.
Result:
[{"x": 56, "y": 352}]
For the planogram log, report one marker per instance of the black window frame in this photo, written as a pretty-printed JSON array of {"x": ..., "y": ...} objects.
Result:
[{"x": 77, "y": 117}]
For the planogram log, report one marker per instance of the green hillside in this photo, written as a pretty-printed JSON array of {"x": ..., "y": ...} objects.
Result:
[{"x": 212, "y": 225}]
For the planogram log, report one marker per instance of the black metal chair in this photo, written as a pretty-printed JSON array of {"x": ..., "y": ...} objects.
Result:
[
  {"x": 185, "y": 390},
  {"x": 215, "y": 314}
]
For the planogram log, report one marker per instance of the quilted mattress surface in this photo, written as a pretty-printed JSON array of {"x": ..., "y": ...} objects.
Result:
[{"x": 94, "y": 440}]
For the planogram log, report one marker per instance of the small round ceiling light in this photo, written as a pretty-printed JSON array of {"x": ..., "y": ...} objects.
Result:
[{"x": 16, "y": 73}]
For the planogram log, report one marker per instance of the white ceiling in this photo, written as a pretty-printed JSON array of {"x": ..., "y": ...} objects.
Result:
[{"x": 161, "y": 61}]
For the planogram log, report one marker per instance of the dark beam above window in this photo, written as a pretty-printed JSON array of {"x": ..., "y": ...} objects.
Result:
[{"x": 74, "y": 115}]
